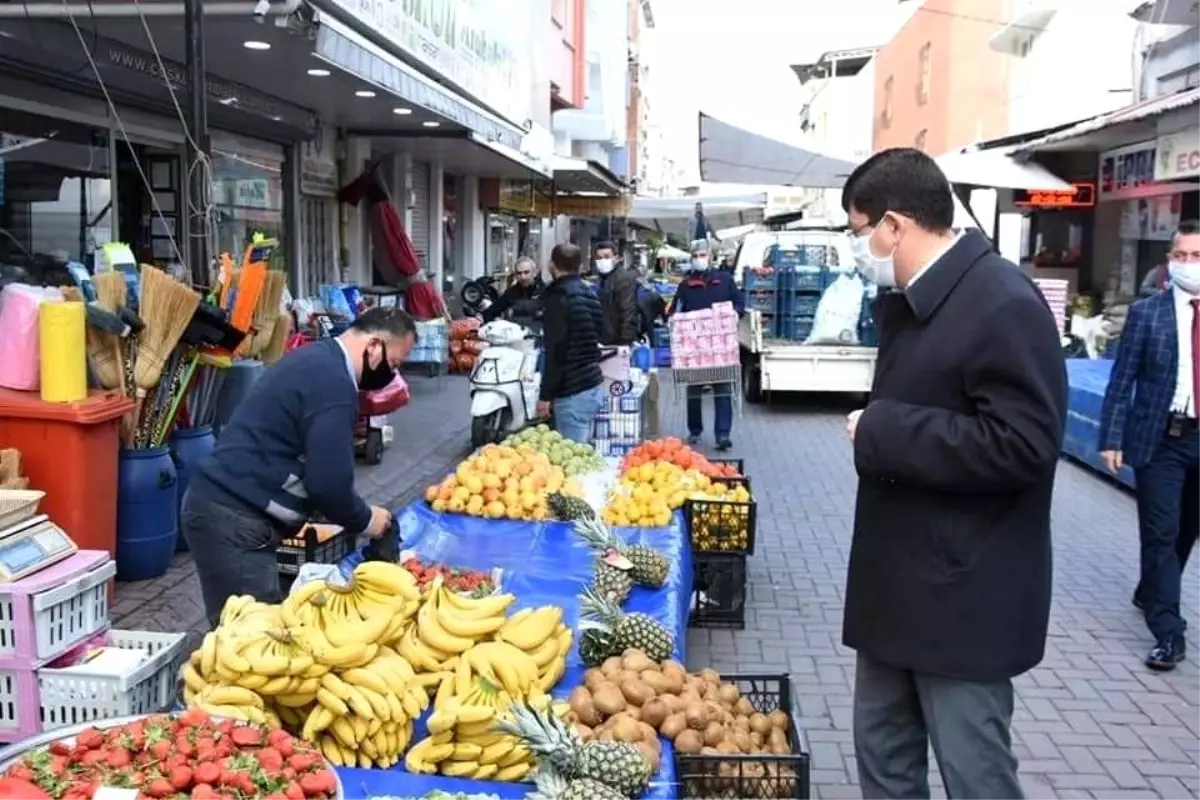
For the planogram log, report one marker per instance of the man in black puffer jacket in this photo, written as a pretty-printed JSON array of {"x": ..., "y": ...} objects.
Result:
[{"x": 571, "y": 381}]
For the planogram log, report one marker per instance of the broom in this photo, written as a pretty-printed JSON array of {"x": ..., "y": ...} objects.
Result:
[
  {"x": 103, "y": 348},
  {"x": 273, "y": 351},
  {"x": 267, "y": 311},
  {"x": 166, "y": 309}
]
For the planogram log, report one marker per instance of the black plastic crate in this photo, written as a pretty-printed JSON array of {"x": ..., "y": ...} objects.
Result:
[
  {"x": 751, "y": 776},
  {"x": 306, "y": 549},
  {"x": 718, "y": 591},
  {"x": 737, "y": 463},
  {"x": 722, "y": 526}
]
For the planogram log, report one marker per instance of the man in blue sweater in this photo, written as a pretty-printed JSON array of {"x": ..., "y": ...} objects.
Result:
[
  {"x": 287, "y": 454},
  {"x": 702, "y": 288}
]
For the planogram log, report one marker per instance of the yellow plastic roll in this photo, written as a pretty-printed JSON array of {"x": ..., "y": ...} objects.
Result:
[{"x": 63, "y": 343}]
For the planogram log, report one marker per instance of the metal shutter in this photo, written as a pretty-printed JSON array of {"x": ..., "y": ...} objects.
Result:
[
  {"x": 419, "y": 232},
  {"x": 318, "y": 226}
]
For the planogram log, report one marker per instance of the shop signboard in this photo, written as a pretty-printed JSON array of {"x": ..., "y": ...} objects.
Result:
[
  {"x": 1126, "y": 168},
  {"x": 480, "y": 46},
  {"x": 1178, "y": 156},
  {"x": 247, "y": 193},
  {"x": 576, "y": 206},
  {"x": 318, "y": 167},
  {"x": 509, "y": 196}
]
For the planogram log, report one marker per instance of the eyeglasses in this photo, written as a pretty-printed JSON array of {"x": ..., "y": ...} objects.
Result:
[{"x": 1185, "y": 255}]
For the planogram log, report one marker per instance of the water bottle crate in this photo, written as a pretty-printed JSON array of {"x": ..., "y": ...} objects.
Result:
[
  {"x": 794, "y": 328},
  {"x": 803, "y": 279},
  {"x": 800, "y": 304},
  {"x": 793, "y": 256},
  {"x": 761, "y": 301},
  {"x": 661, "y": 337},
  {"x": 759, "y": 281}
]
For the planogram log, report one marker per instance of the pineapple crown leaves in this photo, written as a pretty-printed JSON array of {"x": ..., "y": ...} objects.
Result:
[
  {"x": 598, "y": 612},
  {"x": 528, "y": 723},
  {"x": 550, "y": 784},
  {"x": 597, "y": 535}
]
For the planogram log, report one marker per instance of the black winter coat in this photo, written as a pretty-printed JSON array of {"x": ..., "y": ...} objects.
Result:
[
  {"x": 571, "y": 338},
  {"x": 950, "y": 564},
  {"x": 619, "y": 306}
]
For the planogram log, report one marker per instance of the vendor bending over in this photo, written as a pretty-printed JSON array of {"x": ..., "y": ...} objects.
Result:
[{"x": 287, "y": 454}]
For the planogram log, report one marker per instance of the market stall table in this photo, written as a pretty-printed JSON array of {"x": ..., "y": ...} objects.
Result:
[{"x": 543, "y": 563}]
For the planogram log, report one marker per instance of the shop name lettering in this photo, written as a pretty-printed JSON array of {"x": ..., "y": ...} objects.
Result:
[
  {"x": 175, "y": 76},
  {"x": 442, "y": 19}
]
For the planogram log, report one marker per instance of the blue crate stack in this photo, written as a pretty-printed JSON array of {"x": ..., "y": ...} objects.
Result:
[
  {"x": 661, "y": 342},
  {"x": 868, "y": 332},
  {"x": 761, "y": 294},
  {"x": 803, "y": 274}
]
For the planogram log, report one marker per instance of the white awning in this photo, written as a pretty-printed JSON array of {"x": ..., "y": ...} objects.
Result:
[
  {"x": 1114, "y": 128},
  {"x": 997, "y": 169},
  {"x": 674, "y": 214},
  {"x": 732, "y": 155},
  {"x": 581, "y": 176}
]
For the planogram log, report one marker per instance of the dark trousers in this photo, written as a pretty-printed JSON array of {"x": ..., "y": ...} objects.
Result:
[
  {"x": 1168, "y": 503},
  {"x": 722, "y": 411},
  {"x": 898, "y": 714},
  {"x": 234, "y": 549}
]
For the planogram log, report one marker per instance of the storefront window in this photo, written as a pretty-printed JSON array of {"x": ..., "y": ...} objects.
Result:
[
  {"x": 55, "y": 189},
  {"x": 248, "y": 195},
  {"x": 509, "y": 238},
  {"x": 1055, "y": 239}
]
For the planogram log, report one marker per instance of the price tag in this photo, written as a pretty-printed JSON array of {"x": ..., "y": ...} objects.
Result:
[{"x": 115, "y": 793}]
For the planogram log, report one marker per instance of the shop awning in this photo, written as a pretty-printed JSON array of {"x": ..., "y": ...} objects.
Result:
[
  {"x": 1168, "y": 12},
  {"x": 997, "y": 169},
  {"x": 673, "y": 215},
  {"x": 729, "y": 154},
  {"x": 469, "y": 153},
  {"x": 581, "y": 176},
  {"x": 1114, "y": 128}
]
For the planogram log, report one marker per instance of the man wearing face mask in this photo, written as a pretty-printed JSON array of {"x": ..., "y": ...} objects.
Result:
[
  {"x": 949, "y": 578},
  {"x": 288, "y": 454},
  {"x": 702, "y": 288},
  {"x": 1148, "y": 421},
  {"x": 618, "y": 298},
  {"x": 523, "y": 299}
]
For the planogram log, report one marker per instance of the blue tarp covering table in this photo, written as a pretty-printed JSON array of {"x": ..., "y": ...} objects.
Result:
[
  {"x": 544, "y": 564},
  {"x": 1087, "y": 380}
]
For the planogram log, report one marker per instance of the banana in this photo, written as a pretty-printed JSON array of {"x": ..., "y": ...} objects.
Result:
[
  {"x": 416, "y": 760},
  {"x": 441, "y": 721},
  {"x": 330, "y": 749},
  {"x": 359, "y": 703},
  {"x": 396, "y": 711},
  {"x": 481, "y": 665},
  {"x": 319, "y": 719},
  {"x": 229, "y": 658},
  {"x": 189, "y": 697},
  {"x": 412, "y": 705},
  {"x": 476, "y": 713},
  {"x": 516, "y": 670},
  {"x": 362, "y": 729},
  {"x": 492, "y": 753},
  {"x": 192, "y": 678},
  {"x": 367, "y": 748},
  {"x": 367, "y": 680},
  {"x": 281, "y": 685},
  {"x": 396, "y": 626},
  {"x": 462, "y": 675},
  {"x": 466, "y": 751},
  {"x": 546, "y": 652},
  {"x": 208, "y": 654},
  {"x": 345, "y": 657},
  {"x": 530, "y": 632},
  {"x": 343, "y": 731},
  {"x": 293, "y": 700},
  {"x": 335, "y": 686},
  {"x": 484, "y": 772},
  {"x": 263, "y": 663},
  {"x": 484, "y": 740},
  {"x": 417, "y": 654},
  {"x": 475, "y": 731},
  {"x": 565, "y": 637},
  {"x": 355, "y": 630},
  {"x": 475, "y": 607},
  {"x": 430, "y": 631},
  {"x": 431, "y": 680},
  {"x": 233, "y": 696},
  {"x": 305, "y": 686},
  {"x": 332, "y": 702},
  {"x": 387, "y": 578},
  {"x": 445, "y": 691},
  {"x": 377, "y": 701},
  {"x": 518, "y": 755},
  {"x": 252, "y": 682},
  {"x": 514, "y": 772},
  {"x": 546, "y": 682},
  {"x": 459, "y": 769},
  {"x": 457, "y": 623}
]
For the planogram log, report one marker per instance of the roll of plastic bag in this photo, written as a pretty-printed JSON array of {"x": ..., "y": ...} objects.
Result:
[
  {"x": 20, "y": 366},
  {"x": 62, "y": 340}
]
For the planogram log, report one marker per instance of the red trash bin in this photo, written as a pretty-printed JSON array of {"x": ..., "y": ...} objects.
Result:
[{"x": 69, "y": 451}]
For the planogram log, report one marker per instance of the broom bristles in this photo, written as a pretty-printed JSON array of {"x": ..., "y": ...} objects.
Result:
[
  {"x": 166, "y": 308},
  {"x": 104, "y": 356},
  {"x": 273, "y": 351},
  {"x": 111, "y": 290}
]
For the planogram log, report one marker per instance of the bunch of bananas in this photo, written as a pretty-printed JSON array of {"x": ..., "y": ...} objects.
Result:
[
  {"x": 540, "y": 634},
  {"x": 448, "y": 625},
  {"x": 364, "y": 716},
  {"x": 235, "y": 702}
]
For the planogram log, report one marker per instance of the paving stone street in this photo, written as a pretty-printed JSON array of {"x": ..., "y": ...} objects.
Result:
[{"x": 1090, "y": 720}]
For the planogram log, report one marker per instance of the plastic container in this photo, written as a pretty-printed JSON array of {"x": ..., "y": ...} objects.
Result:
[
  {"x": 642, "y": 357},
  {"x": 147, "y": 513},
  {"x": 311, "y": 547},
  {"x": 47, "y": 613},
  {"x": 189, "y": 446},
  {"x": 718, "y": 591},
  {"x": 51, "y": 698},
  {"x": 759, "y": 775},
  {"x": 721, "y": 526},
  {"x": 239, "y": 379},
  {"x": 69, "y": 451},
  {"x": 761, "y": 300}
]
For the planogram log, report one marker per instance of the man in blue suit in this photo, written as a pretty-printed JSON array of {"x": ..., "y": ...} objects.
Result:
[{"x": 1149, "y": 422}]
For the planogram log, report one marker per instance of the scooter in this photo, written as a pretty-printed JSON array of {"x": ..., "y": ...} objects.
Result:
[{"x": 505, "y": 383}]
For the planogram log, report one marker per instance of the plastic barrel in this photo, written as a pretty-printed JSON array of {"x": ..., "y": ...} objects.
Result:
[
  {"x": 189, "y": 446},
  {"x": 239, "y": 379},
  {"x": 147, "y": 513},
  {"x": 642, "y": 358}
]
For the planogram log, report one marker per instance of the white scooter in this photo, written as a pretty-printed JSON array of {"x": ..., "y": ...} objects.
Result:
[{"x": 505, "y": 383}]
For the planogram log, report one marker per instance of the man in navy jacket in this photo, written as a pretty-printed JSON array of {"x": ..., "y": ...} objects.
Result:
[{"x": 703, "y": 288}]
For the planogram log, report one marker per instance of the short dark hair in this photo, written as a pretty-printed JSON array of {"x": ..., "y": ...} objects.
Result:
[
  {"x": 606, "y": 246},
  {"x": 386, "y": 322},
  {"x": 1189, "y": 227},
  {"x": 567, "y": 257},
  {"x": 905, "y": 181}
]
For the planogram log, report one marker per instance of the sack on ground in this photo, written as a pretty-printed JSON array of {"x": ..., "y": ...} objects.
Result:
[{"x": 838, "y": 312}]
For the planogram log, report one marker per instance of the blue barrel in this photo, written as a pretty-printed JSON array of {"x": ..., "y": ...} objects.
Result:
[
  {"x": 189, "y": 446},
  {"x": 641, "y": 358},
  {"x": 235, "y": 385},
  {"x": 147, "y": 513}
]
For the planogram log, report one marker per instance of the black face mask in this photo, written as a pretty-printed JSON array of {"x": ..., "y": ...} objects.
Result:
[{"x": 375, "y": 378}]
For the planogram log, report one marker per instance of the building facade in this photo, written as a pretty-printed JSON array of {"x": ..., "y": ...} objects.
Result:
[{"x": 924, "y": 97}]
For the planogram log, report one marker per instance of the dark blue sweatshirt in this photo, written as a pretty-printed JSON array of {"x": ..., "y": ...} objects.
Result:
[
  {"x": 701, "y": 289},
  {"x": 288, "y": 451}
]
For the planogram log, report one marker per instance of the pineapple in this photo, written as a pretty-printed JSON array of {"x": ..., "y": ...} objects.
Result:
[
  {"x": 595, "y": 647},
  {"x": 618, "y": 767},
  {"x": 649, "y": 566},
  {"x": 612, "y": 581},
  {"x": 552, "y": 786},
  {"x": 634, "y": 630},
  {"x": 568, "y": 508}
]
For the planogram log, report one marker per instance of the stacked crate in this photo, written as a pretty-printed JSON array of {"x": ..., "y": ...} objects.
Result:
[
  {"x": 722, "y": 534},
  {"x": 661, "y": 342},
  {"x": 803, "y": 276},
  {"x": 621, "y": 424}
]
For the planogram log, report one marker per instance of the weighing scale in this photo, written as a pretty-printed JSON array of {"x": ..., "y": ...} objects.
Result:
[{"x": 32, "y": 545}]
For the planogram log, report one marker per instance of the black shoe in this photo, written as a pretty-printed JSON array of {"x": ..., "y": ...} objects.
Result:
[
  {"x": 693, "y": 439},
  {"x": 1166, "y": 654},
  {"x": 724, "y": 444}
]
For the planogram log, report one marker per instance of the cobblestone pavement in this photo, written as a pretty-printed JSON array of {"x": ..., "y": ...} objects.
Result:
[{"x": 1090, "y": 721}]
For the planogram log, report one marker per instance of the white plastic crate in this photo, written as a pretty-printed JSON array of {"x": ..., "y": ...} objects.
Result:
[
  {"x": 79, "y": 695},
  {"x": 51, "y": 611}
]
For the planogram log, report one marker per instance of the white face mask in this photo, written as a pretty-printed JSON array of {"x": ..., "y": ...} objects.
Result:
[
  {"x": 604, "y": 265},
  {"x": 1186, "y": 275},
  {"x": 878, "y": 270},
  {"x": 699, "y": 263}
]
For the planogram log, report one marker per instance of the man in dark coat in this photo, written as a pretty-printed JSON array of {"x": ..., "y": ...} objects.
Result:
[
  {"x": 948, "y": 591},
  {"x": 522, "y": 301},
  {"x": 618, "y": 298}
]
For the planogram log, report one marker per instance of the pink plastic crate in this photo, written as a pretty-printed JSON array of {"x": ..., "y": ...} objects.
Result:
[{"x": 47, "y": 613}]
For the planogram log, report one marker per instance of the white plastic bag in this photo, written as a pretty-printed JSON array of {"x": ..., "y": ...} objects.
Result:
[{"x": 838, "y": 312}]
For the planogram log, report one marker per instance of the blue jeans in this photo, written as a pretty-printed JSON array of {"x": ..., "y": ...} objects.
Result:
[
  {"x": 1167, "y": 505},
  {"x": 573, "y": 415},
  {"x": 722, "y": 410}
]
